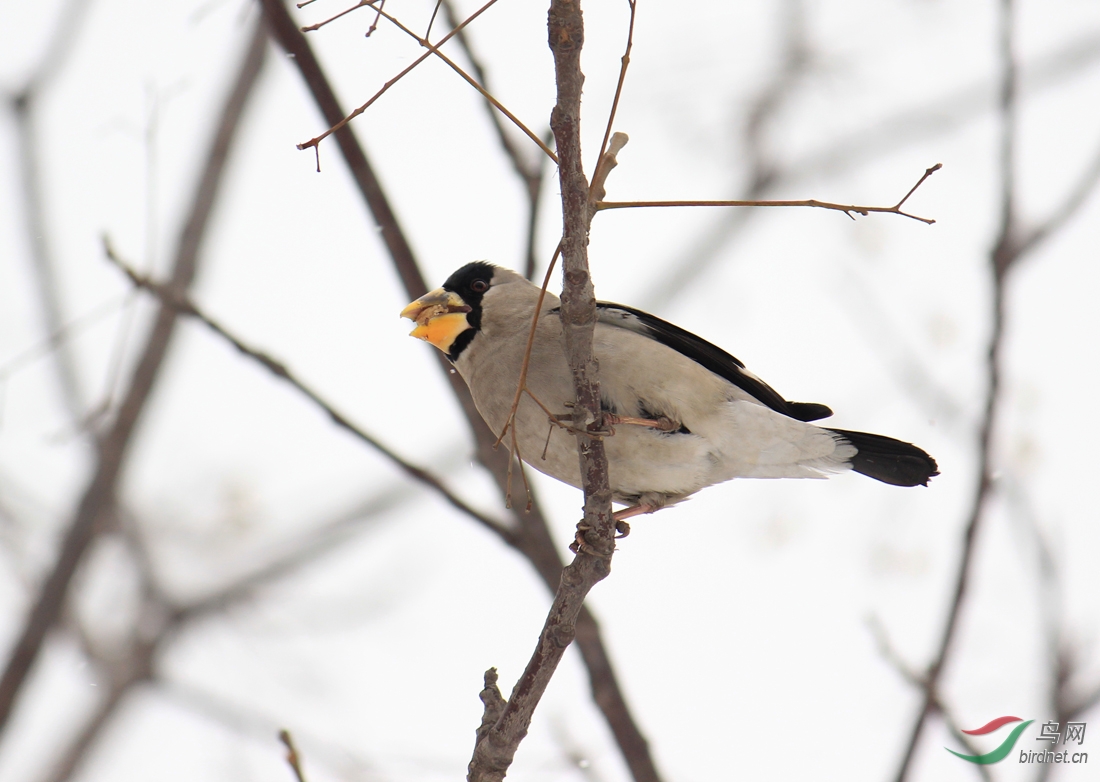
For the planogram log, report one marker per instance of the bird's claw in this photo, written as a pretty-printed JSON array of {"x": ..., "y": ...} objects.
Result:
[{"x": 581, "y": 545}]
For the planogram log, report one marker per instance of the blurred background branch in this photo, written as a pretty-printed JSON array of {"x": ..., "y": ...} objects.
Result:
[{"x": 99, "y": 496}]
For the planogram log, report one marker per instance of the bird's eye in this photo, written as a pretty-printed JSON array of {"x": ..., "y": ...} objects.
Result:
[{"x": 479, "y": 286}]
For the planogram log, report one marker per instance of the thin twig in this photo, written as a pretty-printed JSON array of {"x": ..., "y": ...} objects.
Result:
[
  {"x": 309, "y": 28},
  {"x": 431, "y": 20},
  {"x": 624, "y": 64},
  {"x": 467, "y": 77},
  {"x": 315, "y": 142},
  {"x": 848, "y": 209},
  {"x": 521, "y": 386},
  {"x": 603, "y": 168},
  {"x": 529, "y": 171},
  {"x": 935, "y": 118},
  {"x": 253, "y": 724},
  {"x": 701, "y": 252}
]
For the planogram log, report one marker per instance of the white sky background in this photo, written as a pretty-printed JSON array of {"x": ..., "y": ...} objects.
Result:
[{"x": 737, "y": 621}]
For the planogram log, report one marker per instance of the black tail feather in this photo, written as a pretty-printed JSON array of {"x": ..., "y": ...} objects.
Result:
[
  {"x": 807, "y": 411},
  {"x": 888, "y": 460}
]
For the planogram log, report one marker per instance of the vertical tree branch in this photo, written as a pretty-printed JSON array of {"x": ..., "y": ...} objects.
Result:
[
  {"x": 578, "y": 299},
  {"x": 496, "y": 746},
  {"x": 99, "y": 496},
  {"x": 531, "y": 536}
]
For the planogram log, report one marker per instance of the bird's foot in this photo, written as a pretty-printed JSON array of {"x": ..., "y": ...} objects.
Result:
[
  {"x": 622, "y": 529},
  {"x": 579, "y": 544}
]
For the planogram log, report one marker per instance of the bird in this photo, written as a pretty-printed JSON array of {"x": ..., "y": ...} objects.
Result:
[{"x": 682, "y": 413}]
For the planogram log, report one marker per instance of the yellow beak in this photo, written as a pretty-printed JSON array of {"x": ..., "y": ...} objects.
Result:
[{"x": 440, "y": 317}]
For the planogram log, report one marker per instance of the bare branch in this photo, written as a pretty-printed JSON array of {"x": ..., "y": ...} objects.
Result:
[
  {"x": 525, "y": 168},
  {"x": 493, "y": 102},
  {"x": 484, "y": 92},
  {"x": 701, "y": 252},
  {"x": 315, "y": 142},
  {"x": 902, "y": 129},
  {"x": 578, "y": 300},
  {"x": 530, "y": 172},
  {"x": 848, "y": 209},
  {"x": 100, "y": 492},
  {"x": 184, "y": 306},
  {"x": 293, "y": 758},
  {"x": 309, "y": 28},
  {"x": 497, "y": 746},
  {"x": 624, "y": 64}
]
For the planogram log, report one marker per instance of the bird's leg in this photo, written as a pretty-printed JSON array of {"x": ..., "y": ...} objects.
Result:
[
  {"x": 662, "y": 423},
  {"x": 622, "y": 529},
  {"x": 555, "y": 419},
  {"x": 621, "y": 516}
]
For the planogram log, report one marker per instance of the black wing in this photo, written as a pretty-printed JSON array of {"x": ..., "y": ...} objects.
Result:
[{"x": 707, "y": 355}]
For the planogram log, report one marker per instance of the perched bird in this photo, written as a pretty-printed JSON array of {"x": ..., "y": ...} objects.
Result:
[{"x": 685, "y": 413}]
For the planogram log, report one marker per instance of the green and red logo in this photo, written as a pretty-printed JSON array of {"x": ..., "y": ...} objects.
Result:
[
  {"x": 1006, "y": 746},
  {"x": 1051, "y": 732}
]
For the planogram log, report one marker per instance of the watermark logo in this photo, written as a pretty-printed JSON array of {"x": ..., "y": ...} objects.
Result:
[
  {"x": 1049, "y": 732},
  {"x": 1002, "y": 751}
]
